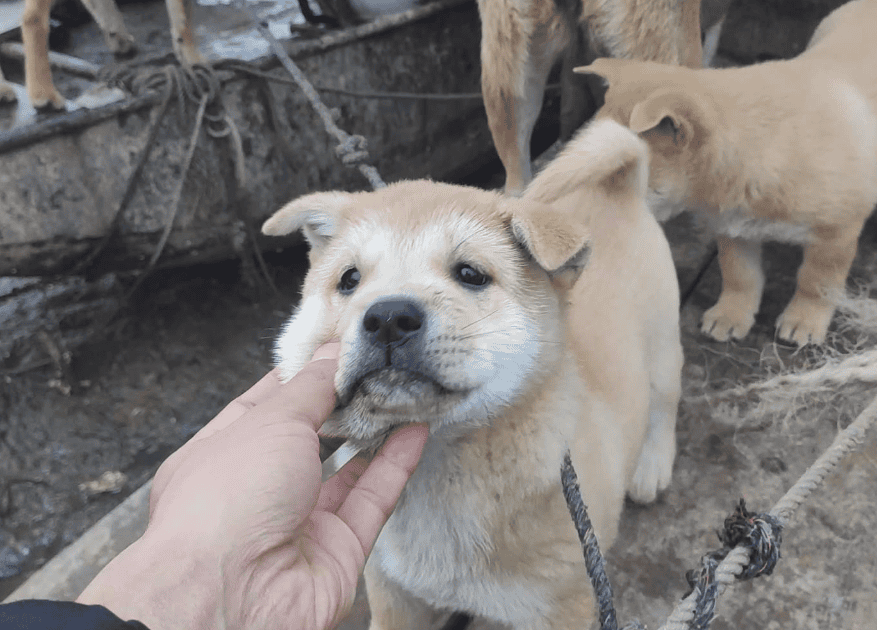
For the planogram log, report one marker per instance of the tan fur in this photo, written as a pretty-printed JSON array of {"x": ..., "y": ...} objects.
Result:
[
  {"x": 573, "y": 344},
  {"x": 35, "y": 32},
  {"x": 782, "y": 151},
  {"x": 522, "y": 39}
]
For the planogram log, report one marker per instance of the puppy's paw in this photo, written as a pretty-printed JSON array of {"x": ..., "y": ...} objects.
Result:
[
  {"x": 46, "y": 97},
  {"x": 7, "y": 93},
  {"x": 654, "y": 469},
  {"x": 805, "y": 321},
  {"x": 722, "y": 322},
  {"x": 121, "y": 43}
]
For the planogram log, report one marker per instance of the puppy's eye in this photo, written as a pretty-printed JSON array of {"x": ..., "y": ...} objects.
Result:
[
  {"x": 349, "y": 280},
  {"x": 468, "y": 275}
]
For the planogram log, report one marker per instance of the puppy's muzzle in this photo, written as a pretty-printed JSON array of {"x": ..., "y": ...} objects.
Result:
[{"x": 391, "y": 362}]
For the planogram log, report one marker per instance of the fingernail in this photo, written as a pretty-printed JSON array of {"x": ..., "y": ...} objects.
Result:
[{"x": 330, "y": 350}]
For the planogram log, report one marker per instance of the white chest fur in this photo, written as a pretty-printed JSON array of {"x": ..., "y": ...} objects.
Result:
[
  {"x": 741, "y": 223},
  {"x": 437, "y": 547},
  {"x": 733, "y": 222}
]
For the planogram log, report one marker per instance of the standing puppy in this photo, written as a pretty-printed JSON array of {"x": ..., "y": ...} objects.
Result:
[
  {"x": 518, "y": 329},
  {"x": 785, "y": 150},
  {"x": 35, "y": 38},
  {"x": 522, "y": 39}
]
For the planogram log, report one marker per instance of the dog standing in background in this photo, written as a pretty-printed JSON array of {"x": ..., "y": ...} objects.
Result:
[
  {"x": 522, "y": 39},
  {"x": 35, "y": 38},
  {"x": 782, "y": 150}
]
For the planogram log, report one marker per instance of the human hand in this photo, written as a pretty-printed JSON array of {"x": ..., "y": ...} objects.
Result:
[{"x": 242, "y": 533}]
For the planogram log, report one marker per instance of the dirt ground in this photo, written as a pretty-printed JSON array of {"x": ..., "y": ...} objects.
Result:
[{"x": 193, "y": 339}]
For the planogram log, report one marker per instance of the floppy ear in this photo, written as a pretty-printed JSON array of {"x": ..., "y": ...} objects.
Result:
[
  {"x": 671, "y": 116},
  {"x": 558, "y": 241},
  {"x": 316, "y": 215},
  {"x": 604, "y": 160}
]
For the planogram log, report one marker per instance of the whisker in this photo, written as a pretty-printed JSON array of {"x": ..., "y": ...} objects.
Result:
[{"x": 478, "y": 321}]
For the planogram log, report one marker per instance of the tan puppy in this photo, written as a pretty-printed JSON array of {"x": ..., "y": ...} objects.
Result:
[
  {"x": 522, "y": 39},
  {"x": 35, "y": 34},
  {"x": 784, "y": 151},
  {"x": 518, "y": 328}
]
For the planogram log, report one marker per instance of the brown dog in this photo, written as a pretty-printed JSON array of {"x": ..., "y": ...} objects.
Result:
[
  {"x": 522, "y": 39},
  {"x": 35, "y": 33},
  {"x": 785, "y": 150},
  {"x": 518, "y": 329}
]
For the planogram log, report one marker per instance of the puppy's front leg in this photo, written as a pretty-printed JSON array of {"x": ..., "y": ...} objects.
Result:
[
  {"x": 37, "y": 71},
  {"x": 742, "y": 282},
  {"x": 821, "y": 278},
  {"x": 391, "y": 607}
]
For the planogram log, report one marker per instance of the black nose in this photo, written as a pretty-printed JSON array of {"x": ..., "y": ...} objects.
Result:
[{"x": 391, "y": 321}]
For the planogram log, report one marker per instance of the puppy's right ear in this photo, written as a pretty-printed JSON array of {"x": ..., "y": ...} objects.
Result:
[
  {"x": 317, "y": 216},
  {"x": 669, "y": 116}
]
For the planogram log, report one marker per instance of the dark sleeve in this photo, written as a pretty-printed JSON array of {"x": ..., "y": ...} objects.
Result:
[{"x": 41, "y": 614}]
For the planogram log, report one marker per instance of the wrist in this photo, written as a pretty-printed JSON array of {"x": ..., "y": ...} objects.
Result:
[{"x": 164, "y": 585}]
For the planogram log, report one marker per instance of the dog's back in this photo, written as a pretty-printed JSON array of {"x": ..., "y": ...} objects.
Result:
[{"x": 844, "y": 42}]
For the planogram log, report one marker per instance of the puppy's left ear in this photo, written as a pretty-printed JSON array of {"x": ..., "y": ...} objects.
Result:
[
  {"x": 317, "y": 215},
  {"x": 558, "y": 241}
]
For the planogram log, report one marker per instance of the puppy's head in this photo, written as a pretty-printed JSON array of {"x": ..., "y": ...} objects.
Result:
[
  {"x": 447, "y": 301},
  {"x": 669, "y": 109}
]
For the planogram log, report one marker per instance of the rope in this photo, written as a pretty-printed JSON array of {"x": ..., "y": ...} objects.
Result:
[
  {"x": 128, "y": 194},
  {"x": 351, "y": 149},
  {"x": 594, "y": 561},
  {"x": 696, "y": 609},
  {"x": 178, "y": 193},
  {"x": 245, "y": 67},
  {"x": 860, "y": 367}
]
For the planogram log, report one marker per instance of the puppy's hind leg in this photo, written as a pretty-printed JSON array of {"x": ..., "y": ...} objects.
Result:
[
  {"x": 655, "y": 466},
  {"x": 182, "y": 34},
  {"x": 517, "y": 52},
  {"x": 109, "y": 19}
]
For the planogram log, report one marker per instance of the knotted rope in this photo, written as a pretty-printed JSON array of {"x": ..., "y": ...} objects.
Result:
[
  {"x": 696, "y": 609},
  {"x": 351, "y": 149}
]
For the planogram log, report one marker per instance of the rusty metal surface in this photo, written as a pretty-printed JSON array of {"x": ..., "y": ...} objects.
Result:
[{"x": 58, "y": 196}]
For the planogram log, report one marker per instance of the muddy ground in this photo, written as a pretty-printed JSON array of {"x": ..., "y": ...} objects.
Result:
[
  {"x": 189, "y": 342},
  {"x": 192, "y": 339}
]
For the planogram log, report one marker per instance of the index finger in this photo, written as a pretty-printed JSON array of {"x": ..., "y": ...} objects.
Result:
[
  {"x": 374, "y": 495},
  {"x": 263, "y": 389},
  {"x": 269, "y": 386}
]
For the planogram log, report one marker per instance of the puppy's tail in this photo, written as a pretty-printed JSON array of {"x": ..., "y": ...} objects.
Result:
[{"x": 604, "y": 158}]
